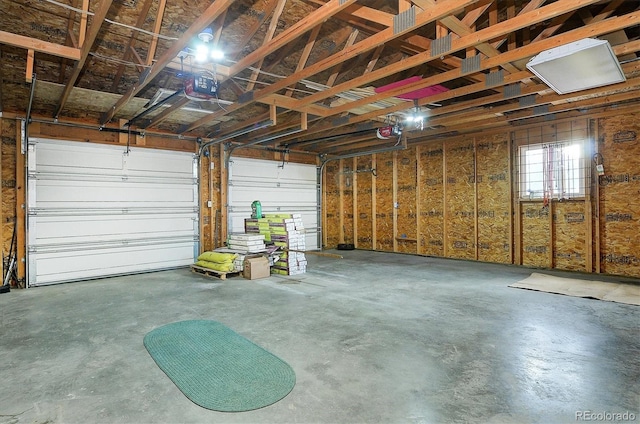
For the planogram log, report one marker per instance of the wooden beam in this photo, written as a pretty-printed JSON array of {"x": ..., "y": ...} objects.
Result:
[
  {"x": 156, "y": 30},
  {"x": 224, "y": 196},
  {"x": 394, "y": 201},
  {"x": 486, "y": 34},
  {"x": 29, "y": 73},
  {"x": 442, "y": 9},
  {"x": 2, "y": 219},
  {"x": 374, "y": 59},
  {"x": 129, "y": 48},
  {"x": 210, "y": 14},
  {"x": 39, "y": 45},
  {"x": 520, "y": 53},
  {"x": 306, "y": 52},
  {"x": 511, "y": 198},
  {"x": 350, "y": 41},
  {"x": 341, "y": 201},
  {"x": 85, "y": 49},
  {"x": 21, "y": 207},
  {"x": 83, "y": 23},
  {"x": 292, "y": 33},
  {"x": 374, "y": 204},
  {"x": 273, "y": 25},
  {"x": 354, "y": 202},
  {"x": 248, "y": 33}
]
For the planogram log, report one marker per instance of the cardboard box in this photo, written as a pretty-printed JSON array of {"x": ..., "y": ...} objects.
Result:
[{"x": 256, "y": 268}]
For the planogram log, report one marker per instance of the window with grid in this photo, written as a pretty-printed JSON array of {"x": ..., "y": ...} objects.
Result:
[{"x": 552, "y": 170}]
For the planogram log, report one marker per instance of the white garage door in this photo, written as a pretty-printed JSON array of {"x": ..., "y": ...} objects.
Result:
[
  {"x": 292, "y": 188},
  {"x": 95, "y": 210}
]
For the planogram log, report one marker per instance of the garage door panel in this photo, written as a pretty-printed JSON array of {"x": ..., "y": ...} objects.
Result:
[
  {"x": 72, "y": 157},
  {"x": 158, "y": 163},
  {"x": 95, "y": 211},
  {"x": 73, "y": 266},
  {"x": 294, "y": 196},
  {"x": 104, "y": 228},
  {"x": 73, "y": 194}
]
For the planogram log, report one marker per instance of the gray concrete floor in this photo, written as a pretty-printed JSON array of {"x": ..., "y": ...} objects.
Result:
[{"x": 373, "y": 338}]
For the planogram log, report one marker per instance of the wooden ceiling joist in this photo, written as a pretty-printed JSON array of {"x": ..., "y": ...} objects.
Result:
[
  {"x": 498, "y": 30},
  {"x": 39, "y": 45},
  {"x": 131, "y": 43},
  {"x": 442, "y": 9},
  {"x": 85, "y": 49}
]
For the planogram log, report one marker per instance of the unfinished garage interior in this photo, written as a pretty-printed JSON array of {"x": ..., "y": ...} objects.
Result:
[{"x": 440, "y": 155}]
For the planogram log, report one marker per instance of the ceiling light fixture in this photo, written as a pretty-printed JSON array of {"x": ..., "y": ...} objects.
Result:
[
  {"x": 204, "y": 51},
  {"x": 416, "y": 117},
  {"x": 577, "y": 66}
]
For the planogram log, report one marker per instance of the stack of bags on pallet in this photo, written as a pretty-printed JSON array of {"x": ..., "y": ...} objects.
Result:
[
  {"x": 286, "y": 231},
  {"x": 217, "y": 261},
  {"x": 251, "y": 243}
]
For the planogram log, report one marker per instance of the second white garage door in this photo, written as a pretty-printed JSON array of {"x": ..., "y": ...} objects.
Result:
[{"x": 289, "y": 188}]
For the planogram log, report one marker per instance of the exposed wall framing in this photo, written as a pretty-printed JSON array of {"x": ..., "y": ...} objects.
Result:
[
  {"x": 493, "y": 184},
  {"x": 384, "y": 209},
  {"x": 460, "y": 198},
  {"x": 431, "y": 206},
  {"x": 364, "y": 206},
  {"x": 406, "y": 217}
]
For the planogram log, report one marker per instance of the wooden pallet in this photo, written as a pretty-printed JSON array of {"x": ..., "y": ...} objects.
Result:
[{"x": 221, "y": 275}]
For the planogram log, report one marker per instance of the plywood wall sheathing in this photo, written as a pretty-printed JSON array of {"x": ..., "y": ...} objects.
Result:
[
  {"x": 619, "y": 145},
  {"x": 332, "y": 209},
  {"x": 406, "y": 168},
  {"x": 431, "y": 240},
  {"x": 211, "y": 235},
  {"x": 206, "y": 221},
  {"x": 570, "y": 236},
  {"x": 8, "y": 182},
  {"x": 348, "y": 177},
  {"x": 493, "y": 190},
  {"x": 384, "y": 202},
  {"x": 459, "y": 200},
  {"x": 536, "y": 242},
  {"x": 364, "y": 205}
]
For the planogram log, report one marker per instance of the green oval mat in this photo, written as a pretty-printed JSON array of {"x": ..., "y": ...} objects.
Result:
[{"x": 217, "y": 368}]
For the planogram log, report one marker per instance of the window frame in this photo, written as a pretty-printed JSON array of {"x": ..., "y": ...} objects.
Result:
[{"x": 559, "y": 184}]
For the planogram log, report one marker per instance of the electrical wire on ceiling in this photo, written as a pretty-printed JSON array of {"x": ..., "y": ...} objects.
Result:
[
  {"x": 119, "y": 61},
  {"x": 84, "y": 12}
]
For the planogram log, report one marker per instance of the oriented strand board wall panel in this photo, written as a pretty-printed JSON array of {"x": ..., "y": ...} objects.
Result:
[
  {"x": 570, "y": 235},
  {"x": 348, "y": 180},
  {"x": 8, "y": 182},
  {"x": 406, "y": 198},
  {"x": 364, "y": 204},
  {"x": 431, "y": 188},
  {"x": 619, "y": 145},
  {"x": 480, "y": 191},
  {"x": 384, "y": 202},
  {"x": 332, "y": 205},
  {"x": 207, "y": 216},
  {"x": 460, "y": 199},
  {"x": 493, "y": 191},
  {"x": 536, "y": 235}
]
